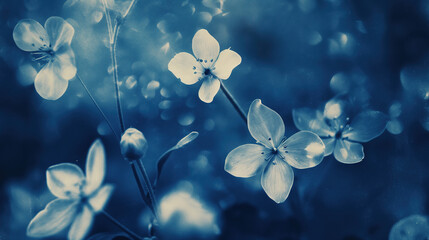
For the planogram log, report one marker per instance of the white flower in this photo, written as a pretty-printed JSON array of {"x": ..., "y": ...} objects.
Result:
[
  {"x": 79, "y": 198},
  {"x": 51, "y": 47},
  {"x": 273, "y": 154},
  {"x": 207, "y": 65},
  {"x": 341, "y": 135}
]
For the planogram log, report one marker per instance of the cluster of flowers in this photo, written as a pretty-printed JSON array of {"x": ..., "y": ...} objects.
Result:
[{"x": 322, "y": 132}]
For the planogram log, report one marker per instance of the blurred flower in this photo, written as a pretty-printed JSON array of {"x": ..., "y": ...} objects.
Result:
[
  {"x": 410, "y": 228},
  {"x": 78, "y": 197},
  {"x": 340, "y": 135},
  {"x": 183, "y": 214},
  {"x": 50, "y": 46},
  {"x": 133, "y": 144},
  {"x": 273, "y": 153},
  {"x": 209, "y": 65}
]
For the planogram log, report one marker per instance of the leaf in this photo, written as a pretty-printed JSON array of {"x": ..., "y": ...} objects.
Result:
[{"x": 180, "y": 144}]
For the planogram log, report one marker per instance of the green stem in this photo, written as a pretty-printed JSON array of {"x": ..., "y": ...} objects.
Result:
[
  {"x": 233, "y": 102},
  {"x": 121, "y": 226},
  {"x": 149, "y": 187},
  {"x": 96, "y": 105}
]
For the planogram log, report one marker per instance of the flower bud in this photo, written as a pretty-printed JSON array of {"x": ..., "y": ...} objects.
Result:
[{"x": 133, "y": 144}]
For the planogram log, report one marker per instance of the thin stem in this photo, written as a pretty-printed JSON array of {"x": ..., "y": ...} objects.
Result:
[
  {"x": 142, "y": 186},
  {"x": 96, "y": 105},
  {"x": 121, "y": 226},
  {"x": 132, "y": 4},
  {"x": 233, "y": 102},
  {"x": 115, "y": 75},
  {"x": 108, "y": 22},
  {"x": 149, "y": 187}
]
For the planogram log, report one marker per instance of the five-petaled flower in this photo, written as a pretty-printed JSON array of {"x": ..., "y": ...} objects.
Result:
[
  {"x": 341, "y": 135},
  {"x": 79, "y": 198},
  {"x": 207, "y": 65},
  {"x": 50, "y": 46},
  {"x": 273, "y": 154}
]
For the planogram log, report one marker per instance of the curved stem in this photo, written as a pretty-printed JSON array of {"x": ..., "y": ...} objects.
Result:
[
  {"x": 149, "y": 187},
  {"x": 121, "y": 226},
  {"x": 233, "y": 102},
  {"x": 96, "y": 105}
]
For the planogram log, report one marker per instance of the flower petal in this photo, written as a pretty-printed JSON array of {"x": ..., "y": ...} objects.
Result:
[
  {"x": 302, "y": 150},
  {"x": 277, "y": 180},
  {"x": 265, "y": 125},
  {"x": 64, "y": 180},
  {"x": 57, "y": 215},
  {"x": 60, "y": 32},
  {"x": 208, "y": 89},
  {"x": 186, "y": 68},
  {"x": 95, "y": 167},
  {"x": 64, "y": 63},
  {"x": 81, "y": 224},
  {"x": 100, "y": 198},
  {"x": 311, "y": 120},
  {"x": 48, "y": 84},
  {"x": 246, "y": 160},
  {"x": 348, "y": 152},
  {"x": 205, "y": 48},
  {"x": 366, "y": 126},
  {"x": 29, "y": 35},
  {"x": 329, "y": 145},
  {"x": 226, "y": 62}
]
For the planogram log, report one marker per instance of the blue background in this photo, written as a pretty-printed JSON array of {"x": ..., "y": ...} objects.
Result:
[{"x": 290, "y": 50}]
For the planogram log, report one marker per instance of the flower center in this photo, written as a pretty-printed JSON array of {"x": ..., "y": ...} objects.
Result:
[
  {"x": 207, "y": 71},
  {"x": 44, "y": 55},
  {"x": 338, "y": 134}
]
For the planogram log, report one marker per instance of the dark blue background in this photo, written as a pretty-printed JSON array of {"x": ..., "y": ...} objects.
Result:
[{"x": 290, "y": 51}]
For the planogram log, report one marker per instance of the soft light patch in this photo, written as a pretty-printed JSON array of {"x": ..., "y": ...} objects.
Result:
[
  {"x": 332, "y": 110},
  {"x": 314, "y": 149},
  {"x": 192, "y": 212}
]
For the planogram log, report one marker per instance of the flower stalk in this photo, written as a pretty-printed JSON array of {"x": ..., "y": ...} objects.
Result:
[
  {"x": 96, "y": 105},
  {"x": 132, "y": 234},
  {"x": 234, "y": 102}
]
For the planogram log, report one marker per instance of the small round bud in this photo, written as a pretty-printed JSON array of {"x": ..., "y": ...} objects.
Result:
[{"x": 133, "y": 144}]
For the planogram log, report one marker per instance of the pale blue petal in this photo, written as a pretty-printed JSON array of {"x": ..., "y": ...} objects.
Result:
[
  {"x": 205, "y": 48},
  {"x": 303, "y": 150},
  {"x": 348, "y": 152},
  {"x": 64, "y": 63},
  {"x": 30, "y": 35},
  {"x": 366, "y": 126},
  {"x": 48, "y": 84},
  {"x": 60, "y": 32},
  {"x": 65, "y": 180},
  {"x": 277, "y": 180},
  {"x": 209, "y": 89},
  {"x": 95, "y": 167},
  {"x": 329, "y": 145},
  {"x": 310, "y": 120},
  {"x": 265, "y": 125},
  {"x": 57, "y": 215},
  {"x": 226, "y": 62},
  {"x": 100, "y": 198},
  {"x": 82, "y": 224},
  {"x": 247, "y": 160},
  {"x": 185, "y": 67}
]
